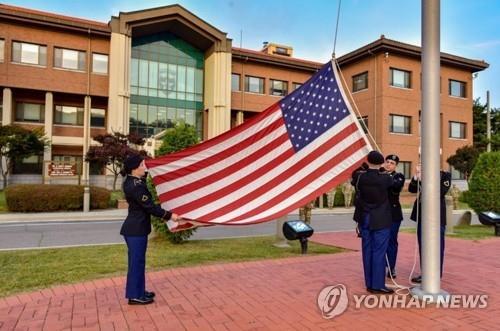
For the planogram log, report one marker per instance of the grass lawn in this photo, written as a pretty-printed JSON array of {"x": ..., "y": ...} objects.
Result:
[
  {"x": 28, "y": 270},
  {"x": 472, "y": 232}
]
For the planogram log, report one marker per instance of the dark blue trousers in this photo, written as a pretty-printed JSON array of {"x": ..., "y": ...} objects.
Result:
[
  {"x": 136, "y": 278},
  {"x": 374, "y": 248},
  {"x": 419, "y": 236},
  {"x": 392, "y": 248}
]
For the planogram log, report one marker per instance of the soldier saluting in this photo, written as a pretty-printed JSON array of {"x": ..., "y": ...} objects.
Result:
[{"x": 391, "y": 162}]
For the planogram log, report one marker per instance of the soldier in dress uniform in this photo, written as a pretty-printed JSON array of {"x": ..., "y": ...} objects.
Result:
[
  {"x": 416, "y": 186},
  {"x": 374, "y": 218},
  {"x": 391, "y": 162},
  {"x": 137, "y": 226}
]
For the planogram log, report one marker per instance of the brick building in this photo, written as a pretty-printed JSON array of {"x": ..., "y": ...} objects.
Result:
[{"x": 145, "y": 69}]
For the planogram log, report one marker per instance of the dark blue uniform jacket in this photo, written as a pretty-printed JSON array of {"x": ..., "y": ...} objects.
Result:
[{"x": 394, "y": 191}]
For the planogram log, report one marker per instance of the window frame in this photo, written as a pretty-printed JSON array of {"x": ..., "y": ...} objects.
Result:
[
  {"x": 239, "y": 82},
  {"x": 356, "y": 88},
  {"x": 463, "y": 88},
  {"x": 93, "y": 62},
  {"x": 462, "y": 125},
  {"x": 41, "y": 115},
  {"x": 391, "y": 78},
  {"x": 79, "y": 54},
  {"x": 79, "y": 109},
  {"x": 278, "y": 92},
  {"x": 20, "y": 60},
  {"x": 2, "y": 50},
  {"x": 93, "y": 109},
  {"x": 404, "y": 167},
  {"x": 262, "y": 87},
  {"x": 407, "y": 121}
]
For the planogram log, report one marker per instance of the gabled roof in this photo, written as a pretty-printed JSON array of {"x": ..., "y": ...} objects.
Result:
[
  {"x": 383, "y": 45},
  {"x": 25, "y": 15}
]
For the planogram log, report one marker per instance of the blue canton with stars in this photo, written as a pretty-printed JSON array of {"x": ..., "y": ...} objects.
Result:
[{"x": 313, "y": 108}]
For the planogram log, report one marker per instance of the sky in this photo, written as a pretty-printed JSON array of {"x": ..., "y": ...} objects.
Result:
[{"x": 469, "y": 28}]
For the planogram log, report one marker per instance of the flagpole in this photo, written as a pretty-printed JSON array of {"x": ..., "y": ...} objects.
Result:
[{"x": 430, "y": 247}]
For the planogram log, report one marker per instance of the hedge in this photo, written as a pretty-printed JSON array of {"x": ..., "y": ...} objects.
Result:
[
  {"x": 46, "y": 198},
  {"x": 484, "y": 183}
]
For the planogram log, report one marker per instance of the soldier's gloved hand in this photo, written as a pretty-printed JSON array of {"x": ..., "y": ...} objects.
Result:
[{"x": 174, "y": 217}]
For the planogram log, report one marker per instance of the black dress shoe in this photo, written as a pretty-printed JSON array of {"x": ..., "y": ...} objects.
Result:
[
  {"x": 393, "y": 272},
  {"x": 149, "y": 295},
  {"x": 140, "y": 301},
  {"x": 384, "y": 290},
  {"x": 417, "y": 279}
]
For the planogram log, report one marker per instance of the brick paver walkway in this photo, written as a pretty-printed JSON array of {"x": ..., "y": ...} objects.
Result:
[{"x": 264, "y": 295}]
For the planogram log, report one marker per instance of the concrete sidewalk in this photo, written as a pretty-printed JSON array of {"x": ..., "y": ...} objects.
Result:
[
  {"x": 265, "y": 295},
  {"x": 120, "y": 214}
]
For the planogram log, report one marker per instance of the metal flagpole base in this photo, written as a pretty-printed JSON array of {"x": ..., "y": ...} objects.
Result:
[{"x": 419, "y": 293}]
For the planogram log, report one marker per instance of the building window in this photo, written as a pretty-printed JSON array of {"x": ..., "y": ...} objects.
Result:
[
  {"x": 29, "y": 53},
  {"x": 457, "y": 130},
  {"x": 404, "y": 167},
  {"x": 1, "y": 110},
  {"x": 254, "y": 84},
  {"x": 278, "y": 88},
  {"x": 69, "y": 59},
  {"x": 360, "y": 82},
  {"x": 28, "y": 166},
  {"x": 30, "y": 112},
  {"x": 68, "y": 115},
  {"x": 400, "y": 78},
  {"x": 456, "y": 88},
  {"x": 99, "y": 63},
  {"x": 456, "y": 175},
  {"x": 363, "y": 121},
  {"x": 400, "y": 124},
  {"x": 235, "y": 82},
  {"x": 2, "y": 49},
  {"x": 296, "y": 85},
  {"x": 97, "y": 117}
]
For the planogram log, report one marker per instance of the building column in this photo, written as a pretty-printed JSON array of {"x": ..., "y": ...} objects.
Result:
[
  {"x": 218, "y": 92},
  {"x": 7, "y": 106},
  {"x": 119, "y": 86},
  {"x": 86, "y": 139},
  {"x": 239, "y": 118},
  {"x": 49, "y": 119}
]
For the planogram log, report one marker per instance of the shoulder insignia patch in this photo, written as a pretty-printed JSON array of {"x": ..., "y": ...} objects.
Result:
[
  {"x": 446, "y": 183},
  {"x": 137, "y": 182},
  {"x": 144, "y": 197}
]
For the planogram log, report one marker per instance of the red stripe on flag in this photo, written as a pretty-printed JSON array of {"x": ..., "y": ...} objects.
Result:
[
  {"x": 223, "y": 173},
  {"x": 304, "y": 181},
  {"x": 166, "y": 159},
  {"x": 205, "y": 163},
  {"x": 259, "y": 191}
]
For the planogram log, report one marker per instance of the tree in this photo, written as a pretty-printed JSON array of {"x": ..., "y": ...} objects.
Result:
[
  {"x": 484, "y": 183},
  {"x": 16, "y": 144},
  {"x": 114, "y": 149},
  {"x": 479, "y": 126},
  {"x": 179, "y": 137},
  {"x": 465, "y": 159}
]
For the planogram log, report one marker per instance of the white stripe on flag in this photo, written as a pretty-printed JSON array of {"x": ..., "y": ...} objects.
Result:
[{"x": 264, "y": 178}]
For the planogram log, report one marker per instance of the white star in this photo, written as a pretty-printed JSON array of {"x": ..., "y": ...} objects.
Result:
[
  {"x": 324, "y": 125},
  {"x": 319, "y": 96},
  {"x": 335, "y": 90},
  {"x": 301, "y": 92},
  {"x": 307, "y": 138},
  {"x": 323, "y": 107},
  {"x": 315, "y": 131},
  {"x": 314, "y": 95},
  {"x": 307, "y": 112},
  {"x": 310, "y": 103},
  {"x": 334, "y": 118},
  {"x": 314, "y": 114},
  {"x": 300, "y": 137},
  {"x": 322, "y": 87},
  {"x": 317, "y": 123},
  {"x": 305, "y": 121},
  {"x": 293, "y": 135},
  {"x": 344, "y": 111},
  {"x": 336, "y": 109},
  {"x": 291, "y": 117},
  {"x": 308, "y": 130},
  {"x": 301, "y": 110},
  {"x": 298, "y": 118},
  {"x": 330, "y": 108},
  {"x": 298, "y": 100},
  {"x": 312, "y": 122},
  {"x": 321, "y": 115},
  {"x": 317, "y": 105},
  {"x": 332, "y": 99},
  {"x": 297, "y": 145},
  {"x": 328, "y": 89},
  {"x": 317, "y": 85},
  {"x": 328, "y": 68},
  {"x": 283, "y": 105},
  {"x": 327, "y": 116},
  {"x": 331, "y": 79},
  {"x": 340, "y": 100},
  {"x": 295, "y": 127},
  {"x": 307, "y": 93},
  {"x": 301, "y": 129},
  {"x": 293, "y": 99}
]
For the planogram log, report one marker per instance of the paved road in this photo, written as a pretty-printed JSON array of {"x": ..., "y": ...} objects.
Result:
[{"x": 56, "y": 234}]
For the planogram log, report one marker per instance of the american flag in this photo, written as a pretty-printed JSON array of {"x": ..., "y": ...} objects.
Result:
[{"x": 289, "y": 154}]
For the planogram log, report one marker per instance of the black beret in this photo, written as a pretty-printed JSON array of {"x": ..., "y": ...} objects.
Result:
[
  {"x": 375, "y": 158},
  {"x": 132, "y": 162},
  {"x": 392, "y": 157}
]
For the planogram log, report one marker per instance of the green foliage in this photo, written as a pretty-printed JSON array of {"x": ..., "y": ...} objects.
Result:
[
  {"x": 479, "y": 126},
  {"x": 113, "y": 150},
  {"x": 47, "y": 198},
  {"x": 484, "y": 184},
  {"x": 339, "y": 197},
  {"x": 179, "y": 137},
  {"x": 17, "y": 143},
  {"x": 465, "y": 159}
]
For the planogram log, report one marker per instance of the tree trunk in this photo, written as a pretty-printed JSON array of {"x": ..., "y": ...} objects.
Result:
[{"x": 114, "y": 181}]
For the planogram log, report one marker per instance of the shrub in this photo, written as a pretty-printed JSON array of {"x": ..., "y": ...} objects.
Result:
[
  {"x": 46, "y": 198},
  {"x": 339, "y": 197},
  {"x": 484, "y": 184}
]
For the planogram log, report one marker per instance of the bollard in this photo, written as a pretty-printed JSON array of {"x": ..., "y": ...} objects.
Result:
[
  {"x": 86, "y": 199},
  {"x": 280, "y": 237}
]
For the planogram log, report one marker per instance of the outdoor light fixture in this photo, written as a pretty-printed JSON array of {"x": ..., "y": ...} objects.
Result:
[
  {"x": 293, "y": 230},
  {"x": 490, "y": 218}
]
